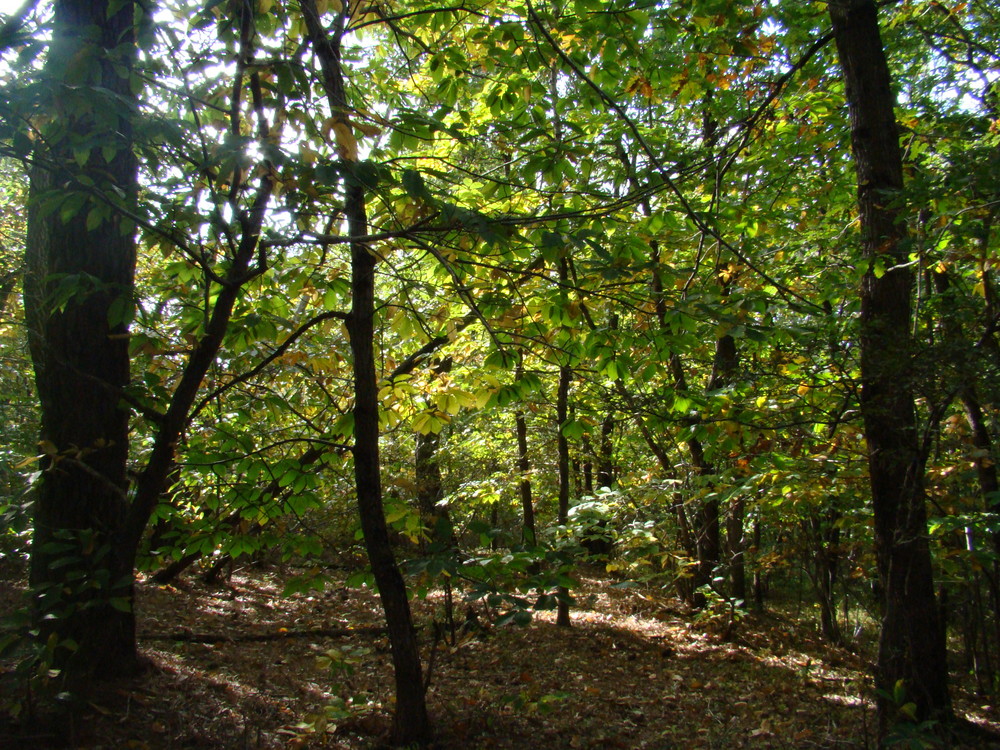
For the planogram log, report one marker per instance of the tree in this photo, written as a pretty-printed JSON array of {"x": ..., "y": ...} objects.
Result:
[
  {"x": 911, "y": 644},
  {"x": 78, "y": 296},
  {"x": 410, "y": 721}
]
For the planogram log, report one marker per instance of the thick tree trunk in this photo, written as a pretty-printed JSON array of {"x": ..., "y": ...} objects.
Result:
[
  {"x": 911, "y": 645},
  {"x": 79, "y": 345}
]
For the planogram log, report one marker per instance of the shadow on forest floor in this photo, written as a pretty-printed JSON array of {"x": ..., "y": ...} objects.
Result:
[{"x": 238, "y": 667}]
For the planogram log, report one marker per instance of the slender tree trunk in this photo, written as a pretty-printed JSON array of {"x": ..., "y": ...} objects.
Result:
[
  {"x": 759, "y": 582},
  {"x": 427, "y": 476},
  {"x": 528, "y": 534},
  {"x": 736, "y": 543},
  {"x": 707, "y": 533},
  {"x": 410, "y": 722},
  {"x": 911, "y": 644},
  {"x": 724, "y": 366},
  {"x": 562, "y": 450},
  {"x": 986, "y": 470},
  {"x": 587, "y": 469},
  {"x": 824, "y": 534},
  {"x": 80, "y": 349},
  {"x": 605, "y": 457},
  {"x": 8, "y": 281},
  {"x": 411, "y": 725}
]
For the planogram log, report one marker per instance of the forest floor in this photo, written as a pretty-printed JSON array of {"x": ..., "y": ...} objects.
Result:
[{"x": 241, "y": 667}]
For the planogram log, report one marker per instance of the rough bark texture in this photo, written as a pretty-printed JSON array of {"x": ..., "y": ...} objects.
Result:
[
  {"x": 79, "y": 342},
  {"x": 911, "y": 645},
  {"x": 411, "y": 725}
]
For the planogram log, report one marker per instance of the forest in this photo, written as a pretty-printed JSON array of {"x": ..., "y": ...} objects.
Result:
[{"x": 499, "y": 373}]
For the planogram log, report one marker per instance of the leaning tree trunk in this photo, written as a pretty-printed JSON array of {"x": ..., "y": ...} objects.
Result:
[
  {"x": 78, "y": 292},
  {"x": 411, "y": 725},
  {"x": 911, "y": 645}
]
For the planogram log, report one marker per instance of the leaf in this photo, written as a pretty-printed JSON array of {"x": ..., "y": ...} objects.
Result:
[
  {"x": 347, "y": 144},
  {"x": 413, "y": 184},
  {"x": 26, "y": 462},
  {"x": 367, "y": 129}
]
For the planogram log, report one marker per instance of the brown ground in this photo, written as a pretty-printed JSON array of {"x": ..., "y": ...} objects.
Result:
[{"x": 632, "y": 672}]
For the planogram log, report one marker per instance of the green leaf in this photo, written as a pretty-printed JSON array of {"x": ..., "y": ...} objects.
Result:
[{"x": 413, "y": 184}]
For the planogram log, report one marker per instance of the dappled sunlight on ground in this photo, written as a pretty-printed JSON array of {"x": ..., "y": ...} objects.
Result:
[{"x": 238, "y": 666}]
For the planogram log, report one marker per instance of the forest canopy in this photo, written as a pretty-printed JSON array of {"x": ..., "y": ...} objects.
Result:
[{"x": 700, "y": 292}]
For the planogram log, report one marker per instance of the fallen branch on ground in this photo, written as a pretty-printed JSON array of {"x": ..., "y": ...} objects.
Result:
[{"x": 275, "y": 636}]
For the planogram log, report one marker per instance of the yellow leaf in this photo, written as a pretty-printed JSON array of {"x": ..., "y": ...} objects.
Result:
[
  {"x": 264, "y": 6},
  {"x": 369, "y": 130},
  {"x": 347, "y": 144},
  {"x": 26, "y": 462}
]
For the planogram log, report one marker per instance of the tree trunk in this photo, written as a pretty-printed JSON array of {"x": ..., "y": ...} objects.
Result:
[
  {"x": 410, "y": 722},
  {"x": 411, "y": 725},
  {"x": 528, "y": 534},
  {"x": 429, "y": 489},
  {"x": 605, "y": 457},
  {"x": 736, "y": 543},
  {"x": 79, "y": 345},
  {"x": 562, "y": 452},
  {"x": 911, "y": 644}
]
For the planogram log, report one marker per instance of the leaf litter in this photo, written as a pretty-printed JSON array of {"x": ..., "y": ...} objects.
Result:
[{"x": 241, "y": 666}]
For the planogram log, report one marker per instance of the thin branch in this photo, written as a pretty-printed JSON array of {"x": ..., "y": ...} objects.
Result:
[{"x": 278, "y": 351}]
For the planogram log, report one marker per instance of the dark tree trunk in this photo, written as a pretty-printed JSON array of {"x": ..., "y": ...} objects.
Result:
[
  {"x": 605, "y": 456},
  {"x": 823, "y": 533},
  {"x": 736, "y": 543},
  {"x": 411, "y": 725},
  {"x": 986, "y": 469},
  {"x": 562, "y": 451},
  {"x": 80, "y": 349},
  {"x": 410, "y": 722},
  {"x": 524, "y": 481},
  {"x": 724, "y": 366},
  {"x": 911, "y": 644},
  {"x": 429, "y": 487},
  {"x": 587, "y": 469},
  {"x": 759, "y": 581}
]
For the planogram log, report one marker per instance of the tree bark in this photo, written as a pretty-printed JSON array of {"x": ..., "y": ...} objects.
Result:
[
  {"x": 429, "y": 489},
  {"x": 562, "y": 451},
  {"x": 528, "y": 534},
  {"x": 911, "y": 644},
  {"x": 79, "y": 344},
  {"x": 605, "y": 456},
  {"x": 411, "y": 725}
]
